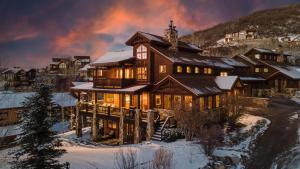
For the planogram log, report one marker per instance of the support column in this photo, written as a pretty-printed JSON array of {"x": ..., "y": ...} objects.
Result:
[
  {"x": 137, "y": 131},
  {"x": 121, "y": 126},
  {"x": 62, "y": 114},
  {"x": 78, "y": 122},
  {"x": 95, "y": 125},
  {"x": 150, "y": 124},
  {"x": 72, "y": 119},
  {"x": 84, "y": 120}
]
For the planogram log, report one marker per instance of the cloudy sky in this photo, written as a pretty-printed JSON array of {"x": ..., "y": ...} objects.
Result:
[{"x": 34, "y": 31}]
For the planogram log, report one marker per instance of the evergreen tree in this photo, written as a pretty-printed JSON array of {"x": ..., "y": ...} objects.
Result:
[{"x": 39, "y": 146}]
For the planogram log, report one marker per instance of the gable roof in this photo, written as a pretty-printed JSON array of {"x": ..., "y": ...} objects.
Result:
[
  {"x": 161, "y": 40},
  {"x": 226, "y": 82},
  {"x": 197, "y": 85},
  {"x": 233, "y": 62},
  {"x": 249, "y": 60},
  {"x": 13, "y": 70},
  {"x": 114, "y": 57},
  {"x": 284, "y": 68}
]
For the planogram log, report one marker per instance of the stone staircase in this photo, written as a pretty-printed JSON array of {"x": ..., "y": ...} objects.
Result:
[{"x": 158, "y": 132}]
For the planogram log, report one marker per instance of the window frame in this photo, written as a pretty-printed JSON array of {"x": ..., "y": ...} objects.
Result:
[
  {"x": 142, "y": 73},
  {"x": 179, "y": 69},
  {"x": 162, "y": 68},
  {"x": 141, "y": 52}
]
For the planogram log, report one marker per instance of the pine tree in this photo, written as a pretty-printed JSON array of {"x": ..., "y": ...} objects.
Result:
[{"x": 39, "y": 146}]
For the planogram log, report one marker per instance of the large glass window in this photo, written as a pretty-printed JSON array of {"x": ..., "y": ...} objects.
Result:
[
  {"x": 179, "y": 69},
  {"x": 118, "y": 73},
  {"x": 202, "y": 104},
  {"x": 188, "y": 103},
  {"x": 177, "y": 102},
  {"x": 210, "y": 102},
  {"x": 141, "y": 52},
  {"x": 99, "y": 73},
  {"x": 162, "y": 68},
  {"x": 158, "y": 101},
  {"x": 167, "y": 101},
  {"x": 217, "y": 101},
  {"x": 207, "y": 70},
  {"x": 142, "y": 73},
  {"x": 128, "y": 73}
]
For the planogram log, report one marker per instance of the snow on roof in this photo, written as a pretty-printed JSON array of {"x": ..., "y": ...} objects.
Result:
[
  {"x": 14, "y": 70},
  {"x": 252, "y": 79},
  {"x": 64, "y": 99},
  {"x": 151, "y": 37},
  {"x": 291, "y": 71},
  {"x": 263, "y": 50},
  {"x": 11, "y": 130},
  {"x": 86, "y": 67},
  {"x": 15, "y": 100},
  {"x": 226, "y": 82},
  {"x": 89, "y": 86},
  {"x": 115, "y": 56},
  {"x": 248, "y": 59},
  {"x": 233, "y": 62},
  {"x": 78, "y": 83}
]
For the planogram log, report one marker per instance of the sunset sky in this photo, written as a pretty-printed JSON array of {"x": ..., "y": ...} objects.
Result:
[{"x": 34, "y": 31}]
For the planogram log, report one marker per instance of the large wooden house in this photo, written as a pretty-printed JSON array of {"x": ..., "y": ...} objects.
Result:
[
  {"x": 269, "y": 72},
  {"x": 18, "y": 78},
  {"x": 156, "y": 73}
]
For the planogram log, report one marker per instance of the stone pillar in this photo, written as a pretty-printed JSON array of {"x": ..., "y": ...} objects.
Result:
[
  {"x": 95, "y": 125},
  {"x": 137, "y": 132},
  {"x": 121, "y": 126},
  {"x": 150, "y": 124},
  {"x": 78, "y": 121}
]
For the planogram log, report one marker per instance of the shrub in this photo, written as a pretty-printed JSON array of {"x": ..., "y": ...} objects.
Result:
[{"x": 170, "y": 135}]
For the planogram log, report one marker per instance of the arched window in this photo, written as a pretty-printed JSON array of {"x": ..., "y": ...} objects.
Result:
[{"x": 141, "y": 52}]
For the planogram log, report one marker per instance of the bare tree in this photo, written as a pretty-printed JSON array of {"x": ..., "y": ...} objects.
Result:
[
  {"x": 163, "y": 159},
  {"x": 126, "y": 159}
]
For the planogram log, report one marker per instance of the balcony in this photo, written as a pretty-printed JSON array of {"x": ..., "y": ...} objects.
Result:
[{"x": 102, "y": 82}]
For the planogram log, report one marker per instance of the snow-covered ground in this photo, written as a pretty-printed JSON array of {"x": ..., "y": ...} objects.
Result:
[{"x": 243, "y": 148}]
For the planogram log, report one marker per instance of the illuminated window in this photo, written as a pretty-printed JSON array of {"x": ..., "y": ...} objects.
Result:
[
  {"x": 162, "y": 68},
  {"x": 202, "y": 104},
  {"x": 188, "y": 103},
  {"x": 62, "y": 65},
  {"x": 112, "y": 124},
  {"x": 217, "y": 101},
  {"x": 142, "y": 73},
  {"x": 179, "y": 69},
  {"x": 257, "y": 56},
  {"x": 77, "y": 63},
  {"x": 223, "y": 74},
  {"x": 207, "y": 70},
  {"x": 127, "y": 101},
  {"x": 257, "y": 69},
  {"x": 158, "y": 101},
  {"x": 188, "y": 69},
  {"x": 210, "y": 102},
  {"x": 100, "y": 72},
  {"x": 141, "y": 52},
  {"x": 167, "y": 101},
  {"x": 118, "y": 73},
  {"x": 177, "y": 102},
  {"x": 128, "y": 73},
  {"x": 197, "y": 70},
  {"x": 266, "y": 70}
]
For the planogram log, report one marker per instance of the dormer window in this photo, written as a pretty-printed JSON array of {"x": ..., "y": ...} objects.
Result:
[
  {"x": 141, "y": 52},
  {"x": 257, "y": 56}
]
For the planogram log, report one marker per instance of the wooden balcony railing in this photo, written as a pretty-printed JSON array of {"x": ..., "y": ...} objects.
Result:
[{"x": 100, "y": 82}]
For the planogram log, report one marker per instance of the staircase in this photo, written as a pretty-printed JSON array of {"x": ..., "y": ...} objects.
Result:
[{"x": 157, "y": 134}]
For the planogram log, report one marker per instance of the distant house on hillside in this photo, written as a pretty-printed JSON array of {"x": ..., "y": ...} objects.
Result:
[{"x": 241, "y": 35}]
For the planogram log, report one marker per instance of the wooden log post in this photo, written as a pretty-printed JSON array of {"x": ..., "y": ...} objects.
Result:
[
  {"x": 62, "y": 115},
  {"x": 72, "y": 119},
  {"x": 121, "y": 126},
  {"x": 78, "y": 121},
  {"x": 137, "y": 130},
  {"x": 95, "y": 125},
  {"x": 150, "y": 124}
]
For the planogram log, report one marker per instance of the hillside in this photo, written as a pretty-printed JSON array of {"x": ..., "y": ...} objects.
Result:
[{"x": 272, "y": 22}]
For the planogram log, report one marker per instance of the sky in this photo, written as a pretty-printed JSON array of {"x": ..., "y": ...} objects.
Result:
[{"x": 34, "y": 31}]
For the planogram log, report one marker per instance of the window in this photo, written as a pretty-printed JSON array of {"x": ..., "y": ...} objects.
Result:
[
  {"x": 3, "y": 115},
  {"x": 266, "y": 70},
  {"x": 77, "y": 63},
  {"x": 128, "y": 73},
  {"x": 62, "y": 65},
  {"x": 118, "y": 73},
  {"x": 112, "y": 124},
  {"x": 197, "y": 70},
  {"x": 217, "y": 101},
  {"x": 162, "y": 68},
  {"x": 167, "y": 102},
  {"x": 257, "y": 69},
  {"x": 100, "y": 73},
  {"x": 188, "y": 103},
  {"x": 207, "y": 70},
  {"x": 127, "y": 101},
  {"x": 141, "y": 52},
  {"x": 188, "y": 69},
  {"x": 142, "y": 73},
  {"x": 177, "y": 102},
  {"x": 223, "y": 74},
  {"x": 179, "y": 69},
  {"x": 158, "y": 101},
  {"x": 210, "y": 102},
  {"x": 257, "y": 56},
  {"x": 202, "y": 104}
]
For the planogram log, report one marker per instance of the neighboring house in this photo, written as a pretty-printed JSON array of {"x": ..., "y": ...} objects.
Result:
[
  {"x": 158, "y": 73},
  {"x": 269, "y": 73},
  {"x": 86, "y": 73},
  {"x": 11, "y": 105},
  {"x": 19, "y": 78},
  {"x": 68, "y": 65},
  {"x": 247, "y": 34}
]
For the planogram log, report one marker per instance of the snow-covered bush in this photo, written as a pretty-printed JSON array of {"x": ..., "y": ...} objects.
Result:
[{"x": 172, "y": 134}]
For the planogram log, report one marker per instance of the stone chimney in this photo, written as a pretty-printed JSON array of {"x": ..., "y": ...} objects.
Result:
[{"x": 171, "y": 36}]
